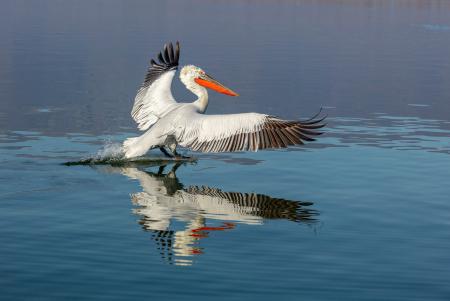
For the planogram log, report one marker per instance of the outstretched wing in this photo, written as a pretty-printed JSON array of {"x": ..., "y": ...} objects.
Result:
[
  {"x": 243, "y": 132},
  {"x": 154, "y": 99}
]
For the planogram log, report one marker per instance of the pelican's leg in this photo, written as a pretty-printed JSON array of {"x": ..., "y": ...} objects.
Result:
[
  {"x": 165, "y": 152},
  {"x": 171, "y": 173},
  {"x": 175, "y": 167},
  {"x": 173, "y": 149},
  {"x": 161, "y": 170}
]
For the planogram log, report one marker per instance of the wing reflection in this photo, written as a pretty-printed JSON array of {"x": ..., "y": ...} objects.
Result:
[{"x": 165, "y": 203}]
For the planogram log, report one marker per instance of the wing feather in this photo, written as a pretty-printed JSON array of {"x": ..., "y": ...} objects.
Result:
[
  {"x": 257, "y": 204},
  {"x": 154, "y": 99},
  {"x": 242, "y": 132}
]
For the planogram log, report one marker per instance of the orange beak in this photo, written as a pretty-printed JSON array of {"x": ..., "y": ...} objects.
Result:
[{"x": 209, "y": 82}]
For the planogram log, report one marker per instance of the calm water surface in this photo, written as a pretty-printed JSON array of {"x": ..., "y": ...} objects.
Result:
[{"x": 361, "y": 214}]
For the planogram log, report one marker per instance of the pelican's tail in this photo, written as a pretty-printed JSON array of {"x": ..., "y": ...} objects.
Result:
[{"x": 131, "y": 148}]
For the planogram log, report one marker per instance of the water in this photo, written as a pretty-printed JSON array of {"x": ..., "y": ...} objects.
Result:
[{"x": 361, "y": 214}]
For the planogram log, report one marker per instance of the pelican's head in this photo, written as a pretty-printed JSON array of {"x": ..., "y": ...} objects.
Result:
[{"x": 193, "y": 77}]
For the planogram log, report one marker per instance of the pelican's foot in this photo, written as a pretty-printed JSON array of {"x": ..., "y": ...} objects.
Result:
[{"x": 166, "y": 153}]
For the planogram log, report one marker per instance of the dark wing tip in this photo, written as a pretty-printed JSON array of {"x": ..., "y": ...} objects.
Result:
[
  {"x": 169, "y": 57},
  {"x": 167, "y": 60},
  {"x": 314, "y": 119},
  {"x": 177, "y": 51},
  {"x": 161, "y": 59},
  {"x": 307, "y": 129},
  {"x": 170, "y": 52},
  {"x": 166, "y": 54}
]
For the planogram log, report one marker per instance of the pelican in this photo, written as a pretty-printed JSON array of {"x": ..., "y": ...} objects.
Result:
[{"x": 168, "y": 123}]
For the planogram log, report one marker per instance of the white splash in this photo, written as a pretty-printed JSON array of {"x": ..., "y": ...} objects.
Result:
[{"x": 111, "y": 150}]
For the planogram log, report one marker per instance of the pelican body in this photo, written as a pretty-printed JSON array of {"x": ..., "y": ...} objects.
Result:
[{"x": 168, "y": 123}]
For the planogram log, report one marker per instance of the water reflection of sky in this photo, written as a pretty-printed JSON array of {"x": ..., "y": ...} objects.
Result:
[
  {"x": 382, "y": 131},
  {"x": 401, "y": 133},
  {"x": 373, "y": 214}
]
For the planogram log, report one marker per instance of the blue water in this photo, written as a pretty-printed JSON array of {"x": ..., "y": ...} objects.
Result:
[
  {"x": 369, "y": 220},
  {"x": 361, "y": 214}
]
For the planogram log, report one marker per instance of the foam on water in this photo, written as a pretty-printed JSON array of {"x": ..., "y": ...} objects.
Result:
[
  {"x": 111, "y": 153},
  {"x": 111, "y": 150}
]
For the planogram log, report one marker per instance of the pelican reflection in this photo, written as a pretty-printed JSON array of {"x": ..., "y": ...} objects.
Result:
[{"x": 179, "y": 217}]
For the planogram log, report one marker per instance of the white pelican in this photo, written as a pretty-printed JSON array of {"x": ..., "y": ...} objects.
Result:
[{"x": 168, "y": 123}]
